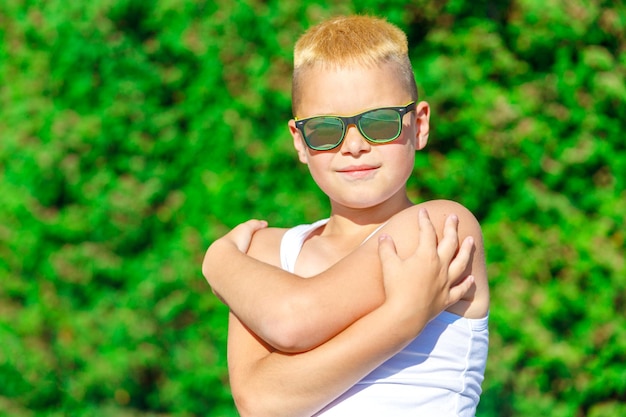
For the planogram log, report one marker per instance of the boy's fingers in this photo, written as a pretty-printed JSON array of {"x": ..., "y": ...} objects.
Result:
[
  {"x": 249, "y": 227},
  {"x": 388, "y": 256},
  {"x": 252, "y": 225},
  {"x": 386, "y": 248},
  {"x": 459, "y": 290},
  {"x": 450, "y": 241},
  {"x": 427, "y": 234},
  {"x": 462, "y": 259},
  {"x": 241, "y": 235}
]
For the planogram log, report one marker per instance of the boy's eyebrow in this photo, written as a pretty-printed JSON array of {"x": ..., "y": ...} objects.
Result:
[{"x": 354, "y": 114}]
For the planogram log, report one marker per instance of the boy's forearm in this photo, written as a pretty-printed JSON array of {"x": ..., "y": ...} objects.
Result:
[
  {"x": 243, "y": 283},
  {"x": 229, "y": 271}
]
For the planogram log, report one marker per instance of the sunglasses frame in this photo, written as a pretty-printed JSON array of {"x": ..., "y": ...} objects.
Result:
[{"x": 354, "y": 120}]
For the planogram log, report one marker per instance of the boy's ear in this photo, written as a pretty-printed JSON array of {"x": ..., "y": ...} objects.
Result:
[
  {"x": 422, "y": 122},
  {"x": 298, "y": 142}
]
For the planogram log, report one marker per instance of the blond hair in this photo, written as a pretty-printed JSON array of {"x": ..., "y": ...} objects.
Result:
[{"x": 352, "y": 41}]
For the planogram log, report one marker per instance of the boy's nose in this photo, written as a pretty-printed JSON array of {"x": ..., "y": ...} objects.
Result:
[{"x": 354, "y": 143}]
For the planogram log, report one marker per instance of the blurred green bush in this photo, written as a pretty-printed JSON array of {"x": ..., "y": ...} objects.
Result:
[{"x": 133, "y": 133}]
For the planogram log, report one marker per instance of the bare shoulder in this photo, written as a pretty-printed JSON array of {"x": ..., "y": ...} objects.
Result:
[
  {"x": 265, "y": 245},
  {"x": 439, "y": 210},
  {"x": 404, "y": 225}
]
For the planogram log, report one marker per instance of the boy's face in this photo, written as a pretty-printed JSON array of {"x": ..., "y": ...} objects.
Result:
[{"x": 359, "y": 174}]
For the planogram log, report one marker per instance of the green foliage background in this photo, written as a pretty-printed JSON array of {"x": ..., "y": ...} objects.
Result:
[{"x": 135, "y": 132}]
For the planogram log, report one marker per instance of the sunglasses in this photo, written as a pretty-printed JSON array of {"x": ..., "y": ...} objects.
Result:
[{"x": 382, "y": 125}]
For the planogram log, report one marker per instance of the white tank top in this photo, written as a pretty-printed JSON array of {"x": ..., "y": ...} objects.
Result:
[{"x": 437, "y": 375}]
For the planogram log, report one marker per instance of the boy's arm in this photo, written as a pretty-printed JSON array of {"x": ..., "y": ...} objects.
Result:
[
  {"x": 267, "y": 383},
  {"x": 295, "y": 314}
]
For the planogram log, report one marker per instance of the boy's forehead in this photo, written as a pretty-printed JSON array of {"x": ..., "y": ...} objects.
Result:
[{"x": 349, "y": 89}]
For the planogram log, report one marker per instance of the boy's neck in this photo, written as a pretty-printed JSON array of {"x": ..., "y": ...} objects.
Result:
[{"x": 346, "y": 221}]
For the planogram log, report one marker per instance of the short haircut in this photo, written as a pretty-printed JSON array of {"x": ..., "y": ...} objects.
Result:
[{"x": 348, "y": 41}]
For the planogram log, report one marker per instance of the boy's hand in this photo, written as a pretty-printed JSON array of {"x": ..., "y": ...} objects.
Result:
[
  {"x": 241, "y": 235},
  {"x": 432, "y": 278}
]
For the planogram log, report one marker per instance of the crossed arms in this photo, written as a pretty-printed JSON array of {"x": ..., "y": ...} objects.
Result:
[{"x": 346, "y": 320}]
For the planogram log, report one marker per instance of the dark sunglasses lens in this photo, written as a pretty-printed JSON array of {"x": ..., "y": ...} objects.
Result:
[
  {"x": 322, "y": 133},
  {"x": 381, "y": 125}
]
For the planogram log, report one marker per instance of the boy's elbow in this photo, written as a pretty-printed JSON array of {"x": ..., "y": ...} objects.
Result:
[
  {"x": 291, "y": 330},
  {"x": 288, "y": 340},
  {"x": 206, "y": 267},
  {"x": 254, "y": 403},
  {"x": 245, "y": 405}
]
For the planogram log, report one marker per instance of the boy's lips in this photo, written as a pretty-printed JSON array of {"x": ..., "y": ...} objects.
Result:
[{"x": 358, "y": 171}]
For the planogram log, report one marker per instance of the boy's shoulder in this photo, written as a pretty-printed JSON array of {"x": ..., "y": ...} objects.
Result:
[
  {"x": 404, "y": 226},
  {"x": 265, "y": 245},
  {"x": 438, "y": 210}
]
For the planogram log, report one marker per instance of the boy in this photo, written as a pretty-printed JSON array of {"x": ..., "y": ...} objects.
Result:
[{"x": 365, "y": 333}]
